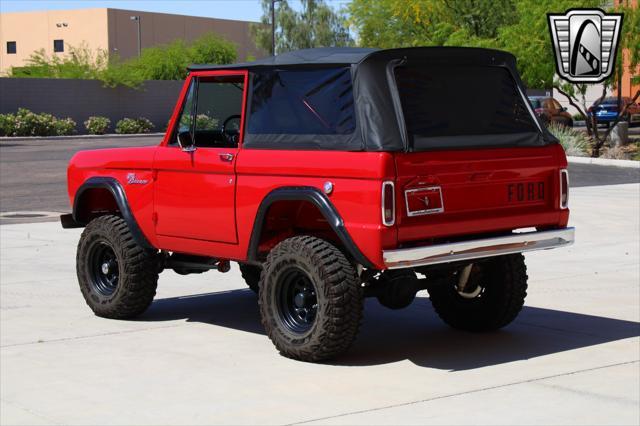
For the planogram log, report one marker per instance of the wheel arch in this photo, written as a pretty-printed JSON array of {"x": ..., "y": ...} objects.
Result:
[
  {"x": 324, "y": 206},
  {"x": 82, "y": 211}
]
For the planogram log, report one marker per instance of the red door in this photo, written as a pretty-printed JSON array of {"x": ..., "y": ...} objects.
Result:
[{"x": 195, "y": 188}]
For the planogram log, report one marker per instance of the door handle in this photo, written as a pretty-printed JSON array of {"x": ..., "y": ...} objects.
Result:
[{"x": 228, "y": 157}]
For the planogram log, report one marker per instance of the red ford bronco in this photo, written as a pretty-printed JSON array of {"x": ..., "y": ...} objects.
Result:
[{"x": 330, "y": 175}]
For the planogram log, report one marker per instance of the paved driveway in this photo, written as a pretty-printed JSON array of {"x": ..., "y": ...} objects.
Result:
[{"x": 200, "y": 356}]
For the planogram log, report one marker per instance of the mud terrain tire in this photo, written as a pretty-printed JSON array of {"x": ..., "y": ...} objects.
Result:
[
  {"x": 117, "y": 277},
  {"x": 503, "y": 288},
  {"x": 310, "y": 299}
]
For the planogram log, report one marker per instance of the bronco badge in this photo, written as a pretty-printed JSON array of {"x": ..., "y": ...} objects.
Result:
[{"x": 133, "y": 180}]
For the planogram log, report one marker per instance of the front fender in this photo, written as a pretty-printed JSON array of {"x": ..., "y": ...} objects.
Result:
[{"x": 113, "y": 186}]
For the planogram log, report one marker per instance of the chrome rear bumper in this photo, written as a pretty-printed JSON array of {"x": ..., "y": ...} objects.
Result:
[{"x": 475, "y": 249}]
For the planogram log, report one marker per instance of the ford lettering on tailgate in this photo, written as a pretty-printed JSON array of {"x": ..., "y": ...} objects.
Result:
[{"x": 526, "y": 191}]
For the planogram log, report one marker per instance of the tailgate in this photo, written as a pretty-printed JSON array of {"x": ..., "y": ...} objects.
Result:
[{"x": 481, "y": 191}]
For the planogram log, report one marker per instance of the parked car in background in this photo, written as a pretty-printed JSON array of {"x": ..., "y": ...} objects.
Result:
[
  {"x": 549, "y": 110},
  {"x": 607, "y": 111}
]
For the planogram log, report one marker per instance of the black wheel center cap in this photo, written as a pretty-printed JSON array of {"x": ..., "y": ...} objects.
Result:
[{"x": 300, "y": 300}]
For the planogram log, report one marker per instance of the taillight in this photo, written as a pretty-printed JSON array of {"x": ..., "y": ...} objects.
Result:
[
  {"x": 388, "y": 203},
  {"x": 564, "y": 188}
]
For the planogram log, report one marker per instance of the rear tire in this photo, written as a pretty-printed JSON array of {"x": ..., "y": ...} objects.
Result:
[
  {"x": 117, "y": 277},
  {"x": 251, "y": 276},
  {"x": 502, "y": 285},
  {"x": 310, "y": 299}
]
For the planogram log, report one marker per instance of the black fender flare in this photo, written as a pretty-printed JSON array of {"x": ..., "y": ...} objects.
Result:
[
  {"x": 114, "y": 187},
  {"x": 321, "y": 202}
]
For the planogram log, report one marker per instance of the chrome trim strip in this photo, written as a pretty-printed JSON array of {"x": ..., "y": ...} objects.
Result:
[
  {"x": 382, "y": 199},
  {"x": 412, "y": 213},
  {"x": 476, "y": 249},
  {"x": 528, "y": 105}
]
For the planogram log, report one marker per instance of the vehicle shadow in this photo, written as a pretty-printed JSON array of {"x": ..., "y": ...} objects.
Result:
[{"x": 416, "y": 333}]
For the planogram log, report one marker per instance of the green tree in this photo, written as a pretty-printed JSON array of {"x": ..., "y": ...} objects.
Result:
[
  {"x": 401, "y": 23},
  {"x": 168, "y": 62},
  {"x": 79, "y": 63},
  {"x": 519, "y": 27},
  {"x": 316, "y": 25},
  {"x": 529, "y": 39},
  {"x": 165, "y": 62},
  {"x": 630, "y": 40},
  {"x": 480, "y": 18}
]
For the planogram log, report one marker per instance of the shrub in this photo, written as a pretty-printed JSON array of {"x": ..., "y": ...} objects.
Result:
[
  {"x": 27, "y": 123},
  {"x": 574, "y": 142},
  {"x": 615, "y": 153},
  {"x": 31, "y": 124},
  {"x": 168, "y": 62},
  {"x": 64, "y": 126},
  {"x": 80, "y": 63},
  {"x": 97, "y": 125},
  {"x": 7, "y": 124},
  {"x": 134, "y": 125},
  {"x": 204, "y": 122}
]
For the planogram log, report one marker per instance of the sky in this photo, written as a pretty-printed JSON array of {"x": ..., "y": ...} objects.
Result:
[{"x": 245, "y": 10}]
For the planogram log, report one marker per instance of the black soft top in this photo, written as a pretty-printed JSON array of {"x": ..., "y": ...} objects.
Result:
[
  {"x": 356, "y": 55},
  {"x": 380, "y": 124},
  {"x": 319, "y": 56}
]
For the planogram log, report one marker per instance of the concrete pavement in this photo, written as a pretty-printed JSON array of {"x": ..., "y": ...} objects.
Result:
[{"x": 199, "y": 355}]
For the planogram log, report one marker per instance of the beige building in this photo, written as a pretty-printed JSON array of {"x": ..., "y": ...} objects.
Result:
[{"x": 114, "y": 30}]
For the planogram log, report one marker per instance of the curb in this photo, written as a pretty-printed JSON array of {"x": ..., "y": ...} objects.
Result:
[
  {"x": 98, "y": 137},
  {"x": 605, "y": 162}
]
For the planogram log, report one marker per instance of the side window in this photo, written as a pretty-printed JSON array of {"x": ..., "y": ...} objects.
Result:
[
  {"x": 219, "y": 111},
  {"x": 302, "y": 102},
  {"x": 183, "y": 126}
]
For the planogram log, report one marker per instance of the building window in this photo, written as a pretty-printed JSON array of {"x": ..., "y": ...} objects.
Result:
[
  {"x": 58, "y": 45},
  {"x": 11, "y": 47}
]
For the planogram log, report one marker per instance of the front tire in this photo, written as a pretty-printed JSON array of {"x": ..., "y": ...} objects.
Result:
[
  {"x": 117, "y": 277},
  {"x": 492, "y": 299},
  {"x": 310, "y": 299}
]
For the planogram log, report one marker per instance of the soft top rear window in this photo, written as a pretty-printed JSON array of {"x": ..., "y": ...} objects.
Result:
[{"x": 450, "y": 106}]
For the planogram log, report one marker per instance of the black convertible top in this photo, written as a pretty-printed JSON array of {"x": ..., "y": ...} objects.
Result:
[
  {"x": 382, "y": 79},
  {"x": 319, "y": 56}
]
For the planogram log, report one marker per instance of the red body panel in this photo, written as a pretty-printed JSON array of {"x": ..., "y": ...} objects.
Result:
[
  {"x": 191, "y": 189},
  {"x": 483, "y": 190},
  {"x": 205, "y": 204}
]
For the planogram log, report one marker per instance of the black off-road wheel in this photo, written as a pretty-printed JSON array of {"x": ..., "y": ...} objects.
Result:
[
  {"x": 251, "y": 276},
  {"x": 117, "y": 277},
  {"x": 310, "y": 299},
  {"x": 491, "y": 299}
]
